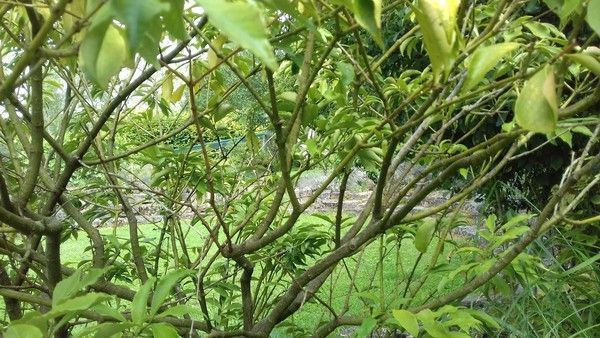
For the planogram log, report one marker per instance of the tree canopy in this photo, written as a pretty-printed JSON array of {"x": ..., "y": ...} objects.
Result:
[{"x": 209, "y": 113}]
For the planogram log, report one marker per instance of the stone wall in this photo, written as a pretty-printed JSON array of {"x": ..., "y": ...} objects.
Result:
[{"x": 359, "y": 189}]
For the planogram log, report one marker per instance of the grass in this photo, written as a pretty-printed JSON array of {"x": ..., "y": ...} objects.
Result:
[
  {"x": 356, "y": 280},
  {"x": 73, "y": 250}
]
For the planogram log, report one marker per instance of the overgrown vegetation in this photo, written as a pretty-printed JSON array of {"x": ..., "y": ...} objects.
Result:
[{"x": 185, "y": 127}]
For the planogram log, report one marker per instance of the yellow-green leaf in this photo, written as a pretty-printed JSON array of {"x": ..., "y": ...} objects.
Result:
[
  {"x": 112, "y": 55},
  {"x": 433, "y": 327},
  {"x": 166, "y": 89},
  {"x": 252, "y": 141},
  {"x": 74, "y": 12},
  {"x": 437, "y": 20},
  {"x": 408, "y": 321},
  {"x": 368, "y": 15},
  {"x": 588, "y": 61},
  {"x": 536, "y": 108},
  {"x": 483, "y": 60},
  {"x": 243, "y": 23},
  {"x": 424, "y": 235},
  {"x": 178, "y": 93},
  {"x": 217, "y": 43},
  {"x": 102, "y": 53}
]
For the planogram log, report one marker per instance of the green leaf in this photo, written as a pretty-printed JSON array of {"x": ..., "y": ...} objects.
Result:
[
  {"x": 346, "y": 73},
  {"x": 485, "y": 59},
  {"x": 137, "y": 16},
  {"x": 91, "y": 277},
  {"x": 554, "y": 5},
  {"x": 536, "y": 108},
  {"x": 367, "y": 326},
  {"x": 108, "y": 311},
  {"x": 311, "y": 111},
  {"x": 163, "y": 330},
  {"x": 104, "y": 330},
  {"x": 178, "y": 93},
  {"x": 157, "y": 178},
  {"x": 22, "y": 331},
  {"x": 222, "y": 110},
  {"x": 173, "y": 19},
  {"x": 502, "y": 286},
  {"x": 243, "y": 23},
  {"x": 111, "y": 329},
  {"x": 408, "y": 321},
  {"x": 490, "y": 223},
  {"x": 69, "y": 286},
  {"x": 424, "y": 235},
  {"x": 140, "y": 301},
  {"x": 437, "y": 20},
  {"x": 34, "y": 318},
  {"x": 430, "y": 325},
  {"x": 516, "y": 220},
  {"x": 282, "y": 5},
  {"x": 593, "y": 15},
  {"x": 216, "y": 46},
  {"x": 75, "y": 11},
  {"x": 148, "y": 48},
  {"x": 286, "y": 101},
  {"x": 166, "y": 89},
  {"x": 345, "y": 3},
  {"x": 538, "y": 29},
  {"x": 583, "y": 130},
  {"x": 103, "y": 52},
  {"x": 252, "y": 141},
  {"x": 484, "y": 318},
  {"x": 163, "y": 289},
  {"x": 588, "y": 61},
  {"x": 368, "y": 15},
  {"x": 582, "y": 266},
  {"x": 565, "y": 135},
  {"x": 370, "y": 155},
  {"x": 66, "y": 288},
  {"x": 77, "y": 304},
  {"x": 568, "y": 7}
]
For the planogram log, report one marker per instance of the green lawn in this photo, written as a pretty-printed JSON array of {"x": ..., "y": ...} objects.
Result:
[
  {"x": 365, "y": 291},
  {"x": 366, "y": 294}
]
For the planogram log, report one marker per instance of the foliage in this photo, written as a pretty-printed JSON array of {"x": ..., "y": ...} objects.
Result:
[{"x": 210, "y": 112}]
